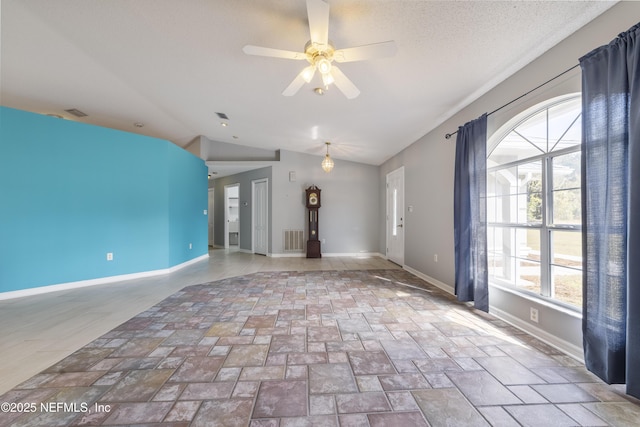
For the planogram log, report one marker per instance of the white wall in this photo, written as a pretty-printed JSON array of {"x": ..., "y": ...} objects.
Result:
[{"x": 429, "y": 172}]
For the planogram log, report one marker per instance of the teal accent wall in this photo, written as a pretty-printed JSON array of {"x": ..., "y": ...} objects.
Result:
[
  {"x": 71, "y": 192},
  {"x": 188, "y": 199}
]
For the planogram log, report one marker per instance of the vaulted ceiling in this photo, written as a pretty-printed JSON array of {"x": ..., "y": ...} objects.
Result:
[{"x": 171, "y": 65}]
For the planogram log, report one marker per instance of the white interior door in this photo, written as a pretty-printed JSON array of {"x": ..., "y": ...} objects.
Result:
[
  {"x": 395, "y": 216},
  {"x": 260, "y": 216}
]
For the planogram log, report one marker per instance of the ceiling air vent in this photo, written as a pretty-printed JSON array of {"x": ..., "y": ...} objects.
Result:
[
  {"x": 76, "y": 112},
  {"x": 223, "y": 116}
]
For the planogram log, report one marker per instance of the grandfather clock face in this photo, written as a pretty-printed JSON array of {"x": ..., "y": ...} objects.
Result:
[{"x": 313, "y": 197}]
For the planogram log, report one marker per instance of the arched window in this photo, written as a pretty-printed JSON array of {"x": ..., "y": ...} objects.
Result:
[{"x": 533, "y": 202}]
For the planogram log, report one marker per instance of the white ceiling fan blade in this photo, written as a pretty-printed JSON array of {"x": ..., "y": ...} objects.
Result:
[
  {"x": 296, "y": 84},
  {"x": 369, "y": 51},
  {"x": 275, "y": 53},
  {"x": 318, "y": 13},
  {"x": 343, "y": 83}
]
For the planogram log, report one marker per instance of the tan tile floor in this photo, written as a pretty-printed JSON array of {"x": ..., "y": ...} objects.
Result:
[{"x": 285, "y": 344}]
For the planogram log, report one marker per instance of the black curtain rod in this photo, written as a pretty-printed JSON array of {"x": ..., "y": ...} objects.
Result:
[{"x": 449, "y": 135}]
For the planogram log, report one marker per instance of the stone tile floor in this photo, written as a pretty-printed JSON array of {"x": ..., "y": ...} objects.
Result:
[{"x": 324, "y": 348}]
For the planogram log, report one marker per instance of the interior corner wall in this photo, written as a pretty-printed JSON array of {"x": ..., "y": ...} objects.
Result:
[
  {"x": 429, "y": 167},
  {"x": 70, "y": 193}
]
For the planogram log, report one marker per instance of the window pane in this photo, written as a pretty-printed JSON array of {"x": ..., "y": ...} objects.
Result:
[
  {"x": 506, "y": 181},
  {"x": 565, "y": 125},
  {"x": 528, "y": 259},
  {"x": 567, "y": 285},
  {"x": 566, "y": 171},
  {"x": 566, "y": 266},
  {"x": 512, "y": 148},
  {"x": 514, "y": 257},
  {"x": 530, "y": 189},
  {"x": 491, "y": 209},
  {"x": 529, "y": 277},
  {"x": 566, "y": 207},
  {"x": 566, "y": 248},
  {"x": 534, "y": 130},
  {"x": 500, "y": 259},
  {"x": 492, "y": 254},
  {"x": 491, "y": 197},
  {"x": 491, "y": 183},
  {"x": 566, "y": 189}
]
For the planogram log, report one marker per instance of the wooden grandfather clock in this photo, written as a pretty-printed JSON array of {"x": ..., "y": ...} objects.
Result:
[{"x": 313, "y": 205}]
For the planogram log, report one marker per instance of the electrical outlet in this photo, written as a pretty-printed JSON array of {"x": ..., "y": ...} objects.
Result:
[
  {"x": 109, "y": 256},
  {"x": 435, "y": 257},
  {"x": 534, "y": 314}
]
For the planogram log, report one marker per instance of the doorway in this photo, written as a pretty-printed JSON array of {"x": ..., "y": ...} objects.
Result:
[
  {"x": 395, "y": 216},
  {"x": 232, "y": 216},
  {"x": 210, "y": 217},
  {"x": 260, "y": 216}
]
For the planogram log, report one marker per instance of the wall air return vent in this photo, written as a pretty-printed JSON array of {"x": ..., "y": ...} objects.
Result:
[
  {"x": 293, "y": 241},
  {"x": 76, "y": 112}
]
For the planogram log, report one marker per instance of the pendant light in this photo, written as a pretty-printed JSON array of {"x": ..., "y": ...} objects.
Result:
[{"x": 327, "y": 163}]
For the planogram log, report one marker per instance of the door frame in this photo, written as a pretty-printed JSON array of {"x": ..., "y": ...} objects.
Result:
[
  {"x": 254, "y": 212},
  {"x": 210, "y": 218},
  {"x": 388, "y": 215},
  {"x": 226, "y": 214}
]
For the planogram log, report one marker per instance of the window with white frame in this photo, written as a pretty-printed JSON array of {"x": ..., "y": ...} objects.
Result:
[{"x": 533, "y": 203}]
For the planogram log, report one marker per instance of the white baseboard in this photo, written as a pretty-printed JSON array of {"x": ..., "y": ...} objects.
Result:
[
  {"x": 328, "y": 255},
  {"x": 354, "y": 255},
  {"x": 435, "y": 282},
  {"x": 288, "y": 255},
  {"x": 93, "y": 282},
  {"x": 552, "y": 340},
  {"x": 555, "y": 342}
]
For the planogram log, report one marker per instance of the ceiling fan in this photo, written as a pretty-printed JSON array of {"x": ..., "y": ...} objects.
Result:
[{"x": 320, "y": 53}]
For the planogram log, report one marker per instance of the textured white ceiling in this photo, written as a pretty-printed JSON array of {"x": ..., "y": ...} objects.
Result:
[{"x": 172, "y": 64}]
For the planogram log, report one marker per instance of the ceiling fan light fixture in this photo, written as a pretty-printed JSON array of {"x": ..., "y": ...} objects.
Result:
[
  {"x": 308, "y": 73},
  {"x": 324, "y": 65},
  {"x": 327, "y": 79},
  {"x": 320, "y": 53},
  {"x": 327, "y": 163}
]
